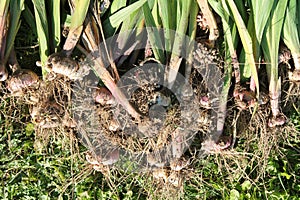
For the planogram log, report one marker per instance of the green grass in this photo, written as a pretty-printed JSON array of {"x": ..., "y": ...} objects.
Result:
[{"x": 27, "y": 172}]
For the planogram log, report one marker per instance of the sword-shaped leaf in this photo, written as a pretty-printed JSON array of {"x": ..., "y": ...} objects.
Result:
[
  {"x": 290, "y": 34},
  {"x": 16, "y": 8},
  {"x": 153, "y": 34},
  {"x": 42, "y": 29},
  {"x": 55, "y": 24},
  {"x": 246, "y": 41},
  {"x": 270, "y": 46}
]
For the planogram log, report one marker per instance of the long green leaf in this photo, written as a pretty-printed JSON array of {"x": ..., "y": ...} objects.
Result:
[
  {"x": 154, "y": 35},
  {"x": 76, "y": 27},
  {"x": 165, "y": 14},
  {"x": 181, "y": 29},
  {"x": 242, "y": 10},
  {"x": 16, "y": 7},
  {"x": 290, "y": 34},
  {"x": 4, "y": 5},
  {"x": 192, "y": 29},
  {"x": 78, "y": 17},
  {"x": 298, "y": 16},
  {"x": 261, "y": 10},
  {"x": 117, "y": 18},
  {"x": 259, "y": 14},
  {"x": 29, "y": 18},
  {"x": 246, "y": 41},
  {"x": 117, "y": 5},
  {"x": 134, "y": 25},
  {"x": 229, "y": 27},
  {"x": 42, "y": 29},
  {"x": 55, "y": 24},
  {"x": 155, "y": 12},
  {"x": 271, "y": 37},
  {"x": 270, "y": 45}
]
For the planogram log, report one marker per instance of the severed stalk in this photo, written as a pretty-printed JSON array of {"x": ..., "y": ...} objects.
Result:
[
  {"x": 209, "y": 19},
  {"x": 92, "y": 41}
]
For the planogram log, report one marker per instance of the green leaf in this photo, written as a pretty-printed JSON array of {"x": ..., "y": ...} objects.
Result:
[
  {"x": 16, "y": 7},
  {"x": 4, "y": 5},
  {"x": 270, "y": 46},
  {"x": 181, "y": 29},
  {"x": 298, "y": 16},
  {"x": 290, "y": 34},
  {"x": 117, "y": 18},
  {"x": 117, "y": 5},
  {"x": 165, "y": 14},
  {"x": 246, "y": 41},
  {"x": 192, "y": 22},
  {"x": 242, "y": 10},
  {"x": 229, "y": 27},
  {"x": 29, "y": 18},
  {"x": 42, "y": 29},
  {"x": 259, "y": 14},
  {"x": 153, "y": 33},
  {"x": 155, "y": 13},
  {"x": 76, "y": 27},
  {"x": 246, "y": 185},
  {"x": 261, "y": 10},
  {"x": 79, "y": 15},
  {"x": 271, "y": 38},
  {"x": 55, "y": 24},
  {"x": 132, "y": 26}
]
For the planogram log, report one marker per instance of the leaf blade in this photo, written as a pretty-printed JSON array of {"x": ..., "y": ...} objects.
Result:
[{"x": 246, "y": 41}]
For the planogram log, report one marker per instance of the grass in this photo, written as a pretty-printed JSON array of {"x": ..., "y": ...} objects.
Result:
[{"x": 32, "y": 169}]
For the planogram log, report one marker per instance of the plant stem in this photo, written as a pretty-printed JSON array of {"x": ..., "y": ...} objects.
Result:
[
  {"x": 109, "y": 82},
  {"x": 208, "y": 15},
  {"x": 3, "y": 36},
  {"x": 76, "y": 27}
]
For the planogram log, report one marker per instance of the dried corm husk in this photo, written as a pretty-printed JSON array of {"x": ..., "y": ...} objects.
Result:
[
  {"x": 114, "y": 125},
  {"x": 279, "y": 120},
  {"x": 46, "y": 115},
  {"x": 21, "y": 79},
  {"x": 179, "y": 164},
  {"x": 104, "y": 97},
  {"x": 244, "y": 98},
  {"x": 110, "y": 158}
]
